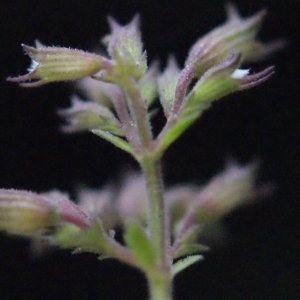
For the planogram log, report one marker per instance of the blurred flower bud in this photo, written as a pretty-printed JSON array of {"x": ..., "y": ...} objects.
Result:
[
  {"x": 98, "y": 91},
  {"x": 230, "y": 189},
  {"x": 87, "y": 115},
  {"x": 167, "y": 83},
  {"x": 58, "y": 64},
  {"x": 178, "y": 198},
  {"x": 238, "y": 34},
  {"x": 131, "y": 202},
  {"x": 148, "y": 84},
  {"x": 98, "y": 202},
  {"x": 126, "y": 48},
  {"x": 25, "y": 213}
]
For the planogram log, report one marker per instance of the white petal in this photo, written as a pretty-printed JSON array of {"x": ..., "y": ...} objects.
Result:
[
  {"x": 33, "y": 65},
  {"x": 239, "y": 73}
]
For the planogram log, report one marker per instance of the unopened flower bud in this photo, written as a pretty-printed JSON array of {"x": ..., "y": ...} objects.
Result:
[
  {"x": 87, "y": 115},
  {"x": 126, "y": 48},
  {"x": 221, "y": 80},
  {"x": 98, "y": 91},
  {"x": 167, "y": 83},
  {"x": 98, "y": 202},
  {"x": 178, "y": 199},
  {"x": 131, "y": 202},
  {"x": 230, "y": 189},
  {"x": 237, "y": 34},
  {"x": 58, "y": 64},
  {"x": 24, "y": 213},
  {"x": 148, "y": 84}
]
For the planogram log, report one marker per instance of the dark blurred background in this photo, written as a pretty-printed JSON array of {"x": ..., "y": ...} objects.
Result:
[{"x": 261, "y": 259}]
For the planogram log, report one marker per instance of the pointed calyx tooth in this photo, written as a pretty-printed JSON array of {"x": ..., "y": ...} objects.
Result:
[
  {"x": 126, "y": 37},
  {"x": 58, "y": 64},
  {"x": 255, "y": 79}
]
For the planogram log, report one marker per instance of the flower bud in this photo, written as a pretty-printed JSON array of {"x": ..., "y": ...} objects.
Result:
[
  {"x": 237, "y": 34},
  {"x": 98, "y": 202},
  {"x": 131, "y": 202},
  {"x": 167, "y": 83},
  {"x": 148, "y": 84},
  {"x": 25, "y": 213},
  {"x": 97, "y": 91},
  {"x": 225, "y": 192},
  {"x": 220, "y": 81},
  {"x": 58, "y": 64},
  {"x": 178, "y": 199},
  {"x": 126, "y": 48},
  {"x": 87, "y": 115}
]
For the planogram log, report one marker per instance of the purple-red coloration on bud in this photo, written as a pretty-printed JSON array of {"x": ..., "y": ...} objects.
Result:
[
  {"x": 237, "y": 34},
  {"x": 58, "y": 64},
  {"x": 67, "y": 210}
]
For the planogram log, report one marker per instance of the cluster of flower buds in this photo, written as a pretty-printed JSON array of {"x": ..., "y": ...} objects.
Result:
[
  {"x": 30, "y": 214},
  {"x": 120, "y": 89},
  {"x": 118, "y": 102}
]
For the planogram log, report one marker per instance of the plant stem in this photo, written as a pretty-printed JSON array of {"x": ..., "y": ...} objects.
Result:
[
  {"x": 160, "y": 287},
  {"x": 160, "y": 281},
  {"x": 156, "y": 206},
  {"x": 138, "y": 112}
]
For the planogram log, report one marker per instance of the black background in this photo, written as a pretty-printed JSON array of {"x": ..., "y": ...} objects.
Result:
[{"x": 262, "y": 259}]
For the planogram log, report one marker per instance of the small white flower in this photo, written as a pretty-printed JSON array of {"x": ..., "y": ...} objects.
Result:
[{"x": 240, "y": 73}]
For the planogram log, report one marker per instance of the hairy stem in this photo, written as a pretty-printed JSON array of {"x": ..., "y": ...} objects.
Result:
[
  {"x": 156, "y": 208},
  {"x": 160, "y": 281},
  {"x": 139, "y": 114}
]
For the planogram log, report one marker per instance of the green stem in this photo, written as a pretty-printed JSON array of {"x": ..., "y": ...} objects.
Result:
[
  {"x": 160, "y": 280},
  {"x": 156, "y": 208},
  {"x": 160, "y": 287}
]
